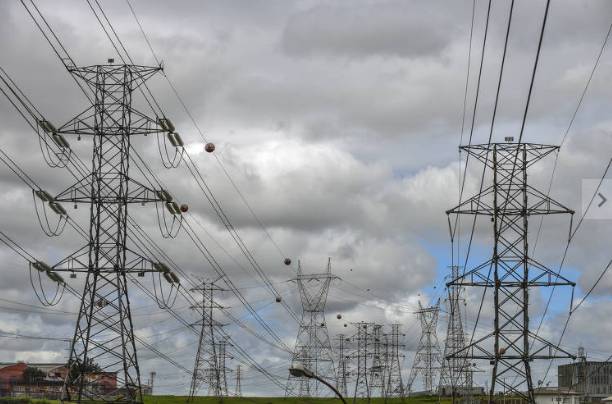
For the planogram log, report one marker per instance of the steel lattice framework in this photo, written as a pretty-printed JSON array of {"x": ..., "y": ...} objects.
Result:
[
  {"x": 456, "y": 373},
  {"x": 377, "y": 369},
  {"x": 428, "y": 358},
  {"x": 313, "y": 345},
  {"x": 103, "y": 361},
  {"x": 209, "y": 367},
  {"x": 342, "y": 370},
  {"x": 510, "y": 201},
  {"x": 395, "y": 385},
  {"x": 360, "y": 355}
]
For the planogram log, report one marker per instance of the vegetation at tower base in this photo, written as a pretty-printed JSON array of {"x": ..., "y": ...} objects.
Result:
[{"x": 254, "y": 400}]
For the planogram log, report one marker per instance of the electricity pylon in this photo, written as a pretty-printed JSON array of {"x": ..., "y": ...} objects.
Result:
[
  {"x": 209, "y": 366},
  {"x": 377, "y": 368},
  {"x": 222, "y": 357},
  {"x": 313, "y": 346},
  {"x": 395, "y": 385},
  {"x": 509, "y": 202},
  {"x": 456, "y": 374},
  {"x": 361, "y": 354},
  {"x": 238, "y": 388},
  {"x": 427, "y": 360},
  {"x": 103, "y": 362},
  {"x": 342, "y": 370}
]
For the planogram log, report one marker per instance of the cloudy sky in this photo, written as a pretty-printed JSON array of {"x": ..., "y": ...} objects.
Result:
[{"x": 339, "y": 122}]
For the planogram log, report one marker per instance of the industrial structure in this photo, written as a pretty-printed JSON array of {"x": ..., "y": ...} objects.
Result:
[
  {"x": 342, "y": 364},
  {"x": 313, "y": 346},
  {"x": 102, "y": 364},
  {"x": 456, "y": 372},
  {"x": 591, "y": 380},
  {"x": 360, "y": 356},
  {"x": 104, "y": 330},
  {"x": 393, "y": 360},
  {"x": 510, "y": 202},
  {"x": 428, "y": 358},
  {"x": 210, "y": 367}
]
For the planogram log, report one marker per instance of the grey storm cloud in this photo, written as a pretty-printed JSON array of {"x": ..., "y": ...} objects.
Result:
[{"x": 339, "y": 122}]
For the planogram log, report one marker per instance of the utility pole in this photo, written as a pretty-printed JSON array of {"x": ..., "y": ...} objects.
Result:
[
  {"x": 395, "y": 385},
  {"x": 209, "y": 367},
  {"x": 103, "y": 341},
  {"x": 510, "y": 201},
  {"x": 427, "y": 360},
  {"x": 313, "y": 346},
  {"x": 361, "y": 338},
  {"x": 343, "y": 362},
  {"x": 455, "y": 376}
]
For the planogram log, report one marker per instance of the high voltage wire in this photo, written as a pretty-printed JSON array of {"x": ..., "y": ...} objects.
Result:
[
  {"x": 82, "y": 232},
  {"x": 194, "y": 171},
  {"x": 194, "y": 122},
  {"x": 79, "y": 166},
  {"x": 555, "y": 164},
  {"x": 142, "y": 162}
]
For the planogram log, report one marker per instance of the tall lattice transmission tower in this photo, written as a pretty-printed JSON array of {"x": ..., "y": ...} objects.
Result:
[
  {"x": 103, "y": 341},
  {"x": 209, "y": 366},
  {"x": 510, "y": 201},
  {"x": 428, "y": 358},
  {"x": 360, "y": 356},
  {"x": 456, "y": 373},
  {"x": 238, "y": 387},
  {"x": 343, "y": 363},
  {"x": 313, "y": 346},
  {"x": 377, "y": 369},
  {"x": 394, "y": 383}
]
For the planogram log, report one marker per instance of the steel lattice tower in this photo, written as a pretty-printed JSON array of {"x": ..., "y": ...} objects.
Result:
[
  {"x": 395, "y": 385},
  {"x": 313, "y": 346},
  {"x": 510, "y": 201},
  {"x": 343, "y": 365},
  {"x": 103, "y": 362},
  {"x": 427, "y": 360},
  {"x": 238, "y": 388},
  {"x": 208, "y": 368},
  {"x": 377, "y": 370},
  {"x": 456, "y": 373},
  {"x": 360, "y": 355},
  {"x": 222, "y": 358}
]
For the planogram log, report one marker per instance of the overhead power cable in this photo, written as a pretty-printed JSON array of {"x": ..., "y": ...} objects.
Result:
[{"x": 84, "y": 170}]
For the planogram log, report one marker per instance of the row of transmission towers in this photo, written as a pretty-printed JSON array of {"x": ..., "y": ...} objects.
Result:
[
  {"x": 369, "y": 361},
  {"x": 370, "y": 358},
  {"x": 442, "y": 373}
]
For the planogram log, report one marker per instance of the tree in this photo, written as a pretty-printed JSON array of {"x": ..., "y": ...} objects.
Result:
[
  {"x": 78, "y": 368},
  {"x": 32, "y": 375}
]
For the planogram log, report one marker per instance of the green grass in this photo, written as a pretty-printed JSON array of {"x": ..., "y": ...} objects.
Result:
[
  {"x": 255, "y": 400},
  {"x": 282, "y": 400}
]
